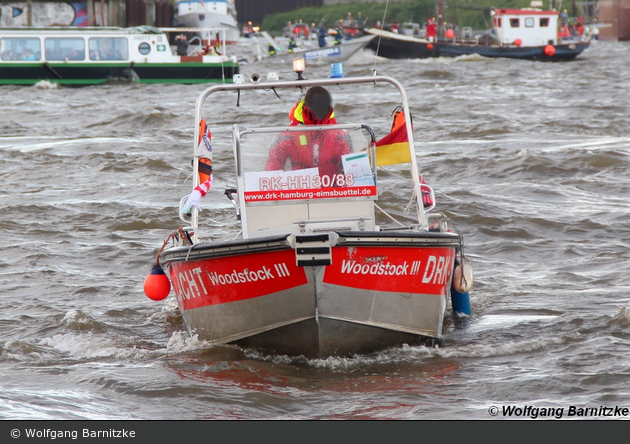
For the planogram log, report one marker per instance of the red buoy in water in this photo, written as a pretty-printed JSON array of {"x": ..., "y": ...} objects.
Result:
[
  {"x": 156, "y": 285},
  {"x": 518, "y": 42},
  {"x": 549, "y": 50}
]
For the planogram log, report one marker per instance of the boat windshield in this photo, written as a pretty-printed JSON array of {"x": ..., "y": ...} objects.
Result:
[{"x": 306, "y": 163}]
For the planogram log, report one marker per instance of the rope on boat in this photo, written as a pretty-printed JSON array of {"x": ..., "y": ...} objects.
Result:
[
  {"x": 183, "y": 235},
  {"x": 157, "y": 257},
  {"x": 378, "y": 45},
  {"x": 462, "y": 256},
  {"x": 388, "y": 215}
]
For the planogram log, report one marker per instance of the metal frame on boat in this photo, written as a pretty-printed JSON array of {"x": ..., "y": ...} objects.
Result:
[
  {"x": 94, "y": 55},
  {"x": 315, "y": 271}
]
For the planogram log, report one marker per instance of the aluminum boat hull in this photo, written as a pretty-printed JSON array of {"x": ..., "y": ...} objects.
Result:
[{"x": 379, "y": 290}]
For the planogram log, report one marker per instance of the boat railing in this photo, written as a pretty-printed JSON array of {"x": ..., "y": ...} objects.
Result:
[
  {"x": 302, "y": 84},
  {"x": 195, "y": 45}
]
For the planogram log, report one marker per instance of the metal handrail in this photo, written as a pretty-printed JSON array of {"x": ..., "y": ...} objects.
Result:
[{"x": 302, "y": 84}]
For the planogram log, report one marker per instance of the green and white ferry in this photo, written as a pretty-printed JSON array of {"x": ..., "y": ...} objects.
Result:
[{"x": 95, "y": 55}]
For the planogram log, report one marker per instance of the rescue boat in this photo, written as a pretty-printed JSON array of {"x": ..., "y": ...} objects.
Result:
[{"x": 315, "y": 265}]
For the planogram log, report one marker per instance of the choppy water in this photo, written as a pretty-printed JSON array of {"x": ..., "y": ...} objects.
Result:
[{"x": 529, "y": 159}]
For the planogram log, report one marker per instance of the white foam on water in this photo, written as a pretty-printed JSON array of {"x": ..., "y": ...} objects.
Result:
[{"x": 45, "y": 84}]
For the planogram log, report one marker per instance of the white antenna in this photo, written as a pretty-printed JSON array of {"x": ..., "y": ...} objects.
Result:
[{"x": 378, "y": 45}]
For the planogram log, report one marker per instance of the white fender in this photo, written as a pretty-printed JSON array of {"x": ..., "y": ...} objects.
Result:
[{"x": 463, "y": 278}]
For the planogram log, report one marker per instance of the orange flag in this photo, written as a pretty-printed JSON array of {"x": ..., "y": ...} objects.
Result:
[
  {"x": 204, "y": 152},
  {"x": 393, "y": 148}
]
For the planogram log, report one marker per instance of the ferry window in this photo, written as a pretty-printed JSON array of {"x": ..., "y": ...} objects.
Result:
[
  {"x": 110, "y": 48},
  {"x": 529, "y": 22},
  {"x": 544, "y": 22},
  {"x": 65, "y": 48},
  {"x": 514, "y": 23},
  {"x": 20, "y": 49},
  {"x": 144, "y": 48}
]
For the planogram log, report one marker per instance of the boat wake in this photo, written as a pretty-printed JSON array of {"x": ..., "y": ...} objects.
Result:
[{"x": 45, "y": 84}]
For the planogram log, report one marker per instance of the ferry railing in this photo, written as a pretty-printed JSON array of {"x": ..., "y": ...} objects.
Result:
[
  {"x": 206, "y": 33},
  {"x": 193, "y": 49}
]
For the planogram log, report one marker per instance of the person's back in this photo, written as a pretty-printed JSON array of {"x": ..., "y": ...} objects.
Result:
[
  {"x": 322, "y": 36},
  {"x": 338, "y": 36},
  {"x": 292, "y": 44}
]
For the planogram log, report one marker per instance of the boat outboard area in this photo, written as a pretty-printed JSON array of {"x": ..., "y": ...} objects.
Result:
[
  {"x": 320, "y": 261},
  {"x": 77, "y": 56}
]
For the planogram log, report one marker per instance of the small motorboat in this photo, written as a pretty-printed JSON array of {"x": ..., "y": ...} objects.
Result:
[
  {"x": 310, "y": 51},
  {"x": 335, "y": 53},
  {"x": 314, "y": 265}
]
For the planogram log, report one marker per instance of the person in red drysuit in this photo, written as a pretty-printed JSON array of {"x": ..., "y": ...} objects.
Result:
[{"x": 322, "y": 149}]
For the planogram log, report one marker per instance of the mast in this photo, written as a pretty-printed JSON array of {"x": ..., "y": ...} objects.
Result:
[{"x": 440, "y": 19}]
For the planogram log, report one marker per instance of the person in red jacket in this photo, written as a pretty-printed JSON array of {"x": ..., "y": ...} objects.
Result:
[
  {"x": 431, "y": 29},
  {"x": 322, "y": 149}
]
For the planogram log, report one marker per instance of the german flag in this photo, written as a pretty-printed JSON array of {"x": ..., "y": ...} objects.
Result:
[{"x": 393, "y": 148}]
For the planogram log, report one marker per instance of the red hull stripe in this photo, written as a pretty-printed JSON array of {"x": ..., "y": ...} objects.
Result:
[
  {"x": 229, "y": 279},
  {"x": 400, "y": 270}
]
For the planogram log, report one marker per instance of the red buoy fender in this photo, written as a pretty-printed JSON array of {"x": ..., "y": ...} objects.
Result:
[
  {"x": 156, "y": 285},
  {"x": 430, "y": 46},
  {"x": 549, "y": 50},
  {"x": 518, "y": 42}
]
